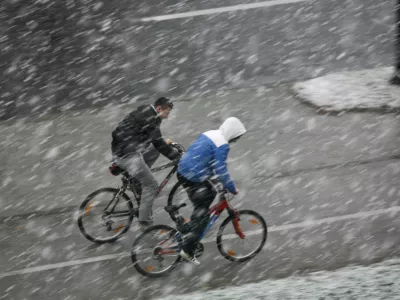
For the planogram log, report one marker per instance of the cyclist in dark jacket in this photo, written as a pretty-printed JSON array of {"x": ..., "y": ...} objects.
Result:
[{"x": 137, "y": 143}]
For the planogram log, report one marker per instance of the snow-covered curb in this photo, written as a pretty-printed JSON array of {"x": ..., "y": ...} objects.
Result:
[
  {"x": 379, "y": 281},
  {"x": 351, "y": 90}
]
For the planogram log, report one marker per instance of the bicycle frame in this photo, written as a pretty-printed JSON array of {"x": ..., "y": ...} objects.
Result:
[
  {"x": 166, "y": 180},
  {"x": 126, "y": 213},
  {"x": 215, "y": 211}
]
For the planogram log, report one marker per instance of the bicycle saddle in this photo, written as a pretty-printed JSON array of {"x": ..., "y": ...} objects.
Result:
[{"x": 115, "y": 169}]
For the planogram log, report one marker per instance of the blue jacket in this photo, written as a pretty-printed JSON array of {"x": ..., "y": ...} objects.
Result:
[{"x": 207, "y": 156}]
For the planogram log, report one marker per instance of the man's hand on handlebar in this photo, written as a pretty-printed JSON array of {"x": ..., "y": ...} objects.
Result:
[{"x": 177, "y": 146}]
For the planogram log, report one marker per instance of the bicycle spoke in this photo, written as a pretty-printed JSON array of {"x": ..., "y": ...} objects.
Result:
[
  {"x": 118, "y": 229},
  {"x": 87, "y": 209},
  {"x": 155, "y": 252},
  {"x": 143, "y": 251},
  {"x": 98, "y": 223},
  {"x": 248, "y": 233}
]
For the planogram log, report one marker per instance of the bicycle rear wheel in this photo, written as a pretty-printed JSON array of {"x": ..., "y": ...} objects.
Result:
[
  {"x": 235, "y": 248},
  {"x": 103, "y": 217},
  {"x": 155, "y": 252}
]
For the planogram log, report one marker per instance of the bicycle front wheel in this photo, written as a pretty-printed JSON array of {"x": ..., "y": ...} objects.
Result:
[
  {"x": 239, "y": 248},
  {"x": 177, "y": 196},
  {"x": 156, "y": 251},
  {"x": 105, "y": 215}
]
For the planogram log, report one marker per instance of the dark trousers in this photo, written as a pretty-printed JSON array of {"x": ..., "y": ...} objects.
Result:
[{"x": 201, "y": 194}]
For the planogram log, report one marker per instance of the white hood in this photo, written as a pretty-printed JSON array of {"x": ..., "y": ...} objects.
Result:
[{"x": 232, "y": 128}]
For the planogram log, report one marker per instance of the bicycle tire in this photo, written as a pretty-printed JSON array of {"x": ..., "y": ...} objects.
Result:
[
  {"x": 141, "y": 237},
  {"x": 83, "y": 206},
  {"x": 229, "y": 219},
  {"x": 171, "y": 197}
]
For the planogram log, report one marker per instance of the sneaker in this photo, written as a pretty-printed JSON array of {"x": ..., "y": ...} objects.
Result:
[
  {"x": 143, "y": 225},
  {"x": 189, "y": 258},
  {"x": 182, "y": 226}
]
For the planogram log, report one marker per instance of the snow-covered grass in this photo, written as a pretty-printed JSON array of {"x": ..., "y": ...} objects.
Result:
[
  {"x": 379, "y": 281},
  {"x": 351, "y": 90}
]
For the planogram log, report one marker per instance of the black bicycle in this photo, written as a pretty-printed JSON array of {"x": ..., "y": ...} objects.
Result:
[{"x": 106, "y": 214}]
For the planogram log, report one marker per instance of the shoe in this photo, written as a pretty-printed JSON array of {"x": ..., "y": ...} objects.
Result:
[
  {"x": 182, "y": 226},
  {"x": 189, "y": 258},
  {"x": 143, "y": 225}
]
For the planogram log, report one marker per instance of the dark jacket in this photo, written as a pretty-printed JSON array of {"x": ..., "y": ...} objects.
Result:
[{"x": 137, "y": 131}]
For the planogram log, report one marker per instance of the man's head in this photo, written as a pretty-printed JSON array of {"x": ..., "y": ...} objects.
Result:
[{"x": 163, "y": 107}]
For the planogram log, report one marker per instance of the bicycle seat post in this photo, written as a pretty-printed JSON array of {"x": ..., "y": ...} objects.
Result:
[{"x": 125, "y": 181}]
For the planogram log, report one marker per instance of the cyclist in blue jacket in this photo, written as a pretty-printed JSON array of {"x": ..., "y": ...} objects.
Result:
[{"x": 206, "y": 158}]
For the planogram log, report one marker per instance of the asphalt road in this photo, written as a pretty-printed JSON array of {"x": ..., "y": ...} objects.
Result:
[
  {"x": 61, "y": 55},
  {"x": 327, "y": 186}
]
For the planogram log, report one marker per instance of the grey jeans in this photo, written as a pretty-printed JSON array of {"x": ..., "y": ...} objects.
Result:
[{"x": 138, "y": 165}]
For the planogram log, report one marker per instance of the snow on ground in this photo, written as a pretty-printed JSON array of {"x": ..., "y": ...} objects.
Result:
[
  {"x": 378, "y": 281},
  {"x": 350, "y": 90}
]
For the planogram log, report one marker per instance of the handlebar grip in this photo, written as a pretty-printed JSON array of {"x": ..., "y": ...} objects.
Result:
[{"x": 178, "y": 147}]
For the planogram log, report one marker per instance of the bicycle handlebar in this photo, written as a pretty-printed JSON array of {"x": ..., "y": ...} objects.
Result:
[{"x": 178, "y": 147}]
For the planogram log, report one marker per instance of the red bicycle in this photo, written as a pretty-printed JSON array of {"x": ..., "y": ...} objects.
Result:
[{"x": 240, "y": 237}]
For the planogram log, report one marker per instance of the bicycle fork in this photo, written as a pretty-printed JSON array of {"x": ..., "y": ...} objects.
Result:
[{"x": 235, "y": 222}]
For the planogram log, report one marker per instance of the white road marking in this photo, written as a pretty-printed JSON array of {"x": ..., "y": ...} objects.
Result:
[
  {"x": 359, "y": 215},
  {"x": 65, "y": 264},
  {"x": 218, "y": 10}
]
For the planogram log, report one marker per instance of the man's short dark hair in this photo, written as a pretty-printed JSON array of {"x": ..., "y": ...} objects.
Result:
[{"x": 164, "y": 103}]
